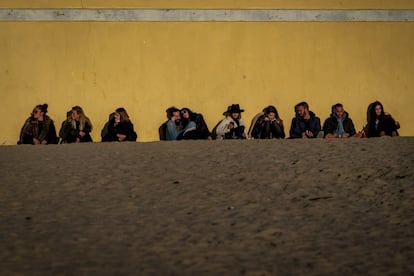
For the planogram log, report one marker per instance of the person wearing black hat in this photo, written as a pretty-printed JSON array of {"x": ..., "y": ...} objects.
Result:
[{"x": 232, "y": 126}]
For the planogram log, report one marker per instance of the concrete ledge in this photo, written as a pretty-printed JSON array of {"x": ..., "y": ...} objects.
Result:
[{"x": 198, "y": 15}]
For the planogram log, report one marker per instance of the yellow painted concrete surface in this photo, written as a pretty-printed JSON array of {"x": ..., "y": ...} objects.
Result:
[
  {"x": 212, "y": 4},
  {"x": 147, "y": 67}
]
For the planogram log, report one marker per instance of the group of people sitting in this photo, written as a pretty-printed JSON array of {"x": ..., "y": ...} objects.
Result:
[
  {"x": 184, "y": 124},
  {"x": 39, "y": 128}
]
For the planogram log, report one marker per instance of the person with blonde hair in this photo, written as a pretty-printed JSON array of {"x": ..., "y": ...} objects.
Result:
[
  {"x": 119, "y": 128},
  {"x": 76, "y": 128},
  {"x": 39, "y": 128}
]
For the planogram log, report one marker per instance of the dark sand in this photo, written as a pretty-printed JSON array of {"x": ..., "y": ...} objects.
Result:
[{"x": 209, "y": 208}]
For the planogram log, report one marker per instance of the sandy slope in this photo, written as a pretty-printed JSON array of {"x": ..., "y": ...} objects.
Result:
[{"x": 209, "y": 207}]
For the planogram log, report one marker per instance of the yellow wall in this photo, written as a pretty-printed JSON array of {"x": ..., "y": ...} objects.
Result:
[{"x": 149, "y": 66}]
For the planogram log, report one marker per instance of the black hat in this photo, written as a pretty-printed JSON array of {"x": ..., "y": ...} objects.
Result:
[{"x": 234, "y": 108}]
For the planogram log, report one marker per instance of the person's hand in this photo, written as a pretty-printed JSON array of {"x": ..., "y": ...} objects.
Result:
[
  {"x": 309, "y": 133},
  {"x": 81, "y": 133},
  {"x": 176, "y": 117},
  {"x": 345, "y": 135},
  {"x": 230, "y": 125},
  {"x": 121, "y": 137},
  {"x": 36, "y": 141},
  {"x": 44, "y": 142},
  {"x": 77, "y": 140},
  {"x": 332, "y": 135}
]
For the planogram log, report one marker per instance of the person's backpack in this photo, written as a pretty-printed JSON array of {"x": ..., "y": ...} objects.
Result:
[
  {"x": 104, "y": 131},
  {"x": 61, "y": 131},
  {"x": 52, "y": 137},
  {"x": 162, "y": 131},
  {"x": 257, "y": 118},
  {"x": 133, "y": 137},
  {"x": 214, "y": 130}
]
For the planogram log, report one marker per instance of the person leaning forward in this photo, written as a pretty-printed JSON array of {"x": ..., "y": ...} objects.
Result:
[
  {"x": 268, "y": 125},
  {"x": 305, "y": 124}
]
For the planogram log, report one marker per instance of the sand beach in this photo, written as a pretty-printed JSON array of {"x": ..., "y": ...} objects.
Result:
[{"x": 252, "y": 207}]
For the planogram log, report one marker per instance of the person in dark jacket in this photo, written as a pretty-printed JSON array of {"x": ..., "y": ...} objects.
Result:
[
  {"x": 119, "y": 128},
  {"x": 76, "y": 128},
  {"x": 305, "y": 124},
  {"x": 39, "y": 128},
  {"x": 201, "y": 130},
  {"x": 338, "y": 125},
  {"x": 380, "y": 123},
  {"x": 268, "y": 125}
]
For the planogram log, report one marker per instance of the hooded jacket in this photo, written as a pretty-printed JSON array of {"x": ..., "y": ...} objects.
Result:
[
  {"x": 298, "y": 126},
  {"x": 331, "y": 124}
]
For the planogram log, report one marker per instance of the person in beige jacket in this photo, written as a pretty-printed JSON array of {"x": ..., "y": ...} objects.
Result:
[{"x": 232, "y": 126}]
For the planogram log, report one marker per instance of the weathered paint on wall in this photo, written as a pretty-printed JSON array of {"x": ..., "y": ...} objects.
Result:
[
  {"x": 149, "y": 66},
  {"x": 211, "y": 4},
  {"x": 199, "y": 15}
]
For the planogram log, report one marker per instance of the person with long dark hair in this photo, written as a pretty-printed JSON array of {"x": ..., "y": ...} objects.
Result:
[
  {"x": 380, "y": 123},
  {"x": 39, "y": 128},
  {"x": 201, "y": 130}
]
